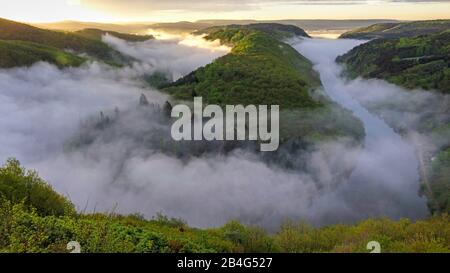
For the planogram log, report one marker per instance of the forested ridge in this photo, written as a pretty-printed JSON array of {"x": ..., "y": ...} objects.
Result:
[
  {"x": 261, "y": 69},
  {"x": 414, "y": 62},
  {"x": 398, "y": 30},
  {"x": 24, "y": 45}
]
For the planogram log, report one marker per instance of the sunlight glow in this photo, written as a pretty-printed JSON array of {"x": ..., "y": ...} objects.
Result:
[
  {"x": 190, "y": 40},
  {"x": 84, "y": 10}
]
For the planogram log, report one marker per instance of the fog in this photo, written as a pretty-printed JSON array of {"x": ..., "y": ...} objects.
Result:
[
  {"x": 386, "y": 178},
  {"x": 51, "y": 122},
  {"x": 176, "y": 55}
]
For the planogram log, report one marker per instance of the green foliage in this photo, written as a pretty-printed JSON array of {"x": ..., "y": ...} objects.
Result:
[
  {"x": 259, "y": 70},
  {"x": 231, "y": 33},
  {"x": 431, "y": 235},
  {"x": 30, "y": 222},
  {"x": 440, "y": 182},
  {"x": 97, "y": 34},
  {"x": 419, "y": 62},
  {"x": 20, "y": 187},
  {"x": 13, "y": 31},
  {"x": 157, "y": 79},
  {"x": 263, "y": 70},
  {"x": 19, "y": 53},
  {"x": 248, "y": 239},
  {"x": 397, "y": 30},
  {"x": 415, "y": 62}
]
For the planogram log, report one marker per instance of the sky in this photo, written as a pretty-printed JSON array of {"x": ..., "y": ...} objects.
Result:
[{"x": 192, "y": 10}]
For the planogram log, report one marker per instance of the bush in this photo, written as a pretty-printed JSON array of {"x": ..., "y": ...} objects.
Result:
[{"x": 20, "y": 186}]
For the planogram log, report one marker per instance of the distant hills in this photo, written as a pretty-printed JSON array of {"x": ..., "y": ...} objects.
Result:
[
  {"x": 398, "y": 29},
  {"x": 417, "y": 62},
  {"x": 20, "y": 53},
  {"x": 185, "y": 26},
  {"x": 275, "y": 30},
  {"x": 22, "y": 44},
  {"x": 412, "y": 55},
  {"x": 97, "y": 34}
]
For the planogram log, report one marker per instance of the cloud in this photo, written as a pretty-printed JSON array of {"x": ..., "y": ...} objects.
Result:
[
  {"x": 177, "y": 55},
  {"x": 388, "y": 167},
  {"x": 51, "y": 123}
]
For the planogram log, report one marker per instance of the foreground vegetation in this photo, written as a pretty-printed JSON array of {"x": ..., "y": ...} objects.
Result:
[{"x": 34, "y": 218}]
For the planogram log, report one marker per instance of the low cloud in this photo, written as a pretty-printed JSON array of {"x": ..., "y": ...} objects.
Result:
[
  {"x": 51, "y": 122},
  {"x": 176, "y": 55}
]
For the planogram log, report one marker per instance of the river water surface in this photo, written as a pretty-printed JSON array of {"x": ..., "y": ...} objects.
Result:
[{"x": 385, "y": 181}]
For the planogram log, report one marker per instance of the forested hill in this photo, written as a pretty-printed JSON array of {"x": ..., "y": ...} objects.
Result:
[
  {"x": 398, "y": 30},
  {"x": 417, "y": 62},
  {"x": 260, "y": 69},
  {"x": 97, "y": 34},
  {"x": 22, "y": 44},
  {"x": 277, "y": 31}
]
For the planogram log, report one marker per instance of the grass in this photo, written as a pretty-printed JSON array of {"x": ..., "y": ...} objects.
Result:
[{"x": 27, "y": 229}]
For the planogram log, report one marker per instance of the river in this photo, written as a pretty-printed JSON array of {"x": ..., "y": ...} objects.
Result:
[{"x": 385, "y": 181}]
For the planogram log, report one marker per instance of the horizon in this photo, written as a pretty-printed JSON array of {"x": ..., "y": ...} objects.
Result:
[
  {"x": 206, "y": 20},
  {"x": 139, "y": 11}
]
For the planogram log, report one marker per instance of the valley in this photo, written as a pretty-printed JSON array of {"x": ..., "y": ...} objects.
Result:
[{"x": 88, "y": 152}]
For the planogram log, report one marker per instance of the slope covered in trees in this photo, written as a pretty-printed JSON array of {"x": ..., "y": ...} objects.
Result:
[
  {"x": 97, "y": 34},
  {"x": 20, "y": 53},
  {"x": 37, "y": 40},
  {"x": 420, "y": 62},
  {"x": 417, "y": 62},
  {"x": 398, "y": 30},
  {"x": 263, "y": 70},
  {"x": 34, "y": 218},
  {"x": 259, "y": 70}
]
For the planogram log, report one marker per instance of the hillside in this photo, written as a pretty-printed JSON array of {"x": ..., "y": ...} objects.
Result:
[
  {"x": 418, "y": 62},
  {"x": 414, "y": 62},
  {"x": 97, "y": 34},
  {"x": 259, "y": 70},
  {"x": 76, "y": 42},
  {"x": 19, "y": 53},
  {"x": 36, "y": 219},
  {"x": 398, "y": 30},
  {"x": 277, "y": 31}
]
